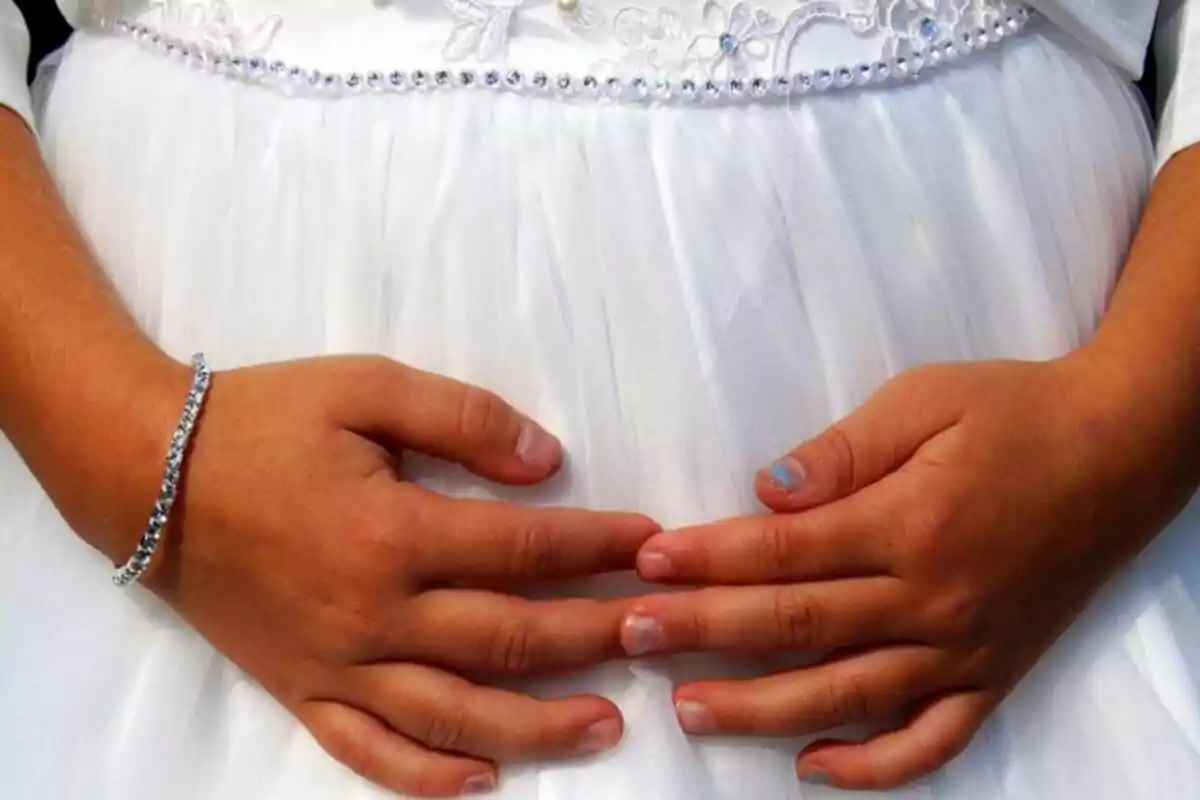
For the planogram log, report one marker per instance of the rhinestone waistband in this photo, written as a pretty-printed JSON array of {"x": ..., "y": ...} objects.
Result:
[{"x": 231, "y": 54}]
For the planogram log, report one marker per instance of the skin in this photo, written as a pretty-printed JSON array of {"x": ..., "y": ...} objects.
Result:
[
  {"x": 372, "y": 609},
  {"x": 924, "y": 526},
  {"x": 910, "y": 539}
]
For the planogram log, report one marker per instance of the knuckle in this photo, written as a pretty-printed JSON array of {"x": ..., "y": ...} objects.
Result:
[
  {"x": 344, "y": 604},
  {"x": 944, "y": 749},
  {"x": 374, "y": 373},
  {"x": 356, "y": 752},
  {"x": 848, "y": 702},
  {"x": 908, "y": 385},
  {"x": 841, "y": 702},
  {"x": 344, "y": 620},
  {"x": 513, "y": 649},
  {"x": 446, "y": 726},
  {"x": 379, "y": 552},
  {"x": 697, "y": 630},
  {"x": 960, "y": 615},
  {"x": 362, "y": 634},
  {"x": 923, "y": 382},
  {"x": 378, "y": 563},
  {"x": 480, "y": 414},
  {"x": 427, "y": 779},
  {"x": 797, "y": 617},
  {"x": 928, "y": 529},
  {"x": 779, "y": 543},
  {"x": 539, "y": 552},
  {"x": 944, "y": 515},
  {"x": 380, "y": 524},
  {"x": 841, "y": 455}
]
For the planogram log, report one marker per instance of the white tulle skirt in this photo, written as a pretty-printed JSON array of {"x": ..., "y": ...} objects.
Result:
[{"x": 680, "y": 293}]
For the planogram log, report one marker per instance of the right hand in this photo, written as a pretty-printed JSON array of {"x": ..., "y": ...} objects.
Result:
[{"x": 361, "y": 601}]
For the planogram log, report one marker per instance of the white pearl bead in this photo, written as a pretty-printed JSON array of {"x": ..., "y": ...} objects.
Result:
[{"x": 567, "y": 6}]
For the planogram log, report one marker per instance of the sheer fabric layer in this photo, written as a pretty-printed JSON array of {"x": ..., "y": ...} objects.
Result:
[{"x": 680, "y": 294}]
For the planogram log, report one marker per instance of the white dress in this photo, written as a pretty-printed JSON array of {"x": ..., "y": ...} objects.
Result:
[{"x": 680, "y": 288}]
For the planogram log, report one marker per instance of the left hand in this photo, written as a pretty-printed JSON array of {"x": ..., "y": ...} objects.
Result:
[{"x": 932, "y": 546}]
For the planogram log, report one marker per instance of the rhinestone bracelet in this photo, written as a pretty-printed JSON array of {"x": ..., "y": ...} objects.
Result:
[{"x": 167, "y": 491}]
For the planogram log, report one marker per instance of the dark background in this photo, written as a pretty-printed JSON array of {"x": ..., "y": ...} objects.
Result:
[
  {"x": 47, "y": 28},
  {"x": 48, "y": 31}
]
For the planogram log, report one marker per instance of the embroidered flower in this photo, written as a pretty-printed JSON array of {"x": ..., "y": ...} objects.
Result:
[
  {"x": 861, "y": 16},
  {"x": 743, "y": 35},
  {"x": 581, "y": 17},
  {"x": 481, "y": 28},
  {"x": 651, "y": 40},
  {"x": 984, "y": 13},
  {"x": 917, "y": 24},
  {"x": 216, "y": 24}
]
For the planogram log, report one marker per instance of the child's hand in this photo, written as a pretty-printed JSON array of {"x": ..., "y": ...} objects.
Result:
[{"x": 936, "y": 542}]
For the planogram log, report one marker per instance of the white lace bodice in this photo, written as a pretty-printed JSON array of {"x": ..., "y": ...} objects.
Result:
[
  {"x": 1118, "y": 29},
  {"x": 700, "y": 39}
]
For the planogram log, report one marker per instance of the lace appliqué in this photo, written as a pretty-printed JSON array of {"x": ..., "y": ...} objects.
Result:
[
  {"x": 735, "y": 39},
  {"x": 638, "y": 88},
  {"x": 714, "y": 41},
  {"x": 480, "y": 28},
  {"x": 903, "y": 27},
  {"x": 699, "y": 39},
  {"x": 214, "y": 23}
]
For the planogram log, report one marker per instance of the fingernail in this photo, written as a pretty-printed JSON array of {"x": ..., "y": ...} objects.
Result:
[
  {"x": 600, "y": 736},
  {"x": 484, "y": 783},
  {"x": 642, "y": 635},
  {"x": 815, "y": 777},
  {"x": 536, "y": 448},
  {"x": 654, "y": 566},
  {"x": 694, "y": 717},
  {"x": 787, "y": 473}
]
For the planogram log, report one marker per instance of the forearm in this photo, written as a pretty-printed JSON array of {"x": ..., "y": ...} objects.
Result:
[
  {"x": 1149, "y": 340},
  {"x": 83, "y": 392}
]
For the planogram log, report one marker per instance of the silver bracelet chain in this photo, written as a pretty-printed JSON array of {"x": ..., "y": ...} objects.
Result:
[{"x": 169, "y": 488}]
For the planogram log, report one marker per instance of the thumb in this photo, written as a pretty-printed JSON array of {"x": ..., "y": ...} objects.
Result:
[
  {"x": 874, "y": 440},
  {"x": 408, "y": 409}
]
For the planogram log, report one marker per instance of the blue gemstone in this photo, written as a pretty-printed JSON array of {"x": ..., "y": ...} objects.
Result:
[
  {"x": 930, "y": 29},
  {"x": 728, "y": 43}
]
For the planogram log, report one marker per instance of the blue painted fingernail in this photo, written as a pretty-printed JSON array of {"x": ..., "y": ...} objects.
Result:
[
  {"x": 787, "y": 473},
  {"x": 641, "y": 635},
  {"x": 815, "y": 778}
]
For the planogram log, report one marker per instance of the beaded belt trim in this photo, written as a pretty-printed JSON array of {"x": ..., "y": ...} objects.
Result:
[{"x": 651, "y": 89}]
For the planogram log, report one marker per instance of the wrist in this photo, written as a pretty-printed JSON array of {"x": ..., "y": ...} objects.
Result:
[
  {"x": 99, "y": 448},
  {"x": 1137, "y": 428},
  {"x": 1135, "y": 389}
]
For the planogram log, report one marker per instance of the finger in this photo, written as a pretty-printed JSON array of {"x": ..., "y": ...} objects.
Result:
[
  {"x": 930, "y": 740},
  {"x": 812, "y": 617},
  {"x": 846, "y": 539},
  {"x": 860, "y": 449},
  {"x": 446, "y": 712},
  {"x": 407, "y": 408},
  {"x": 482, "y": 541},
  {"x": 861, "y": 688},
  {"x": 379, "y": 754},
  {"x": 480, "y": 632}
]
